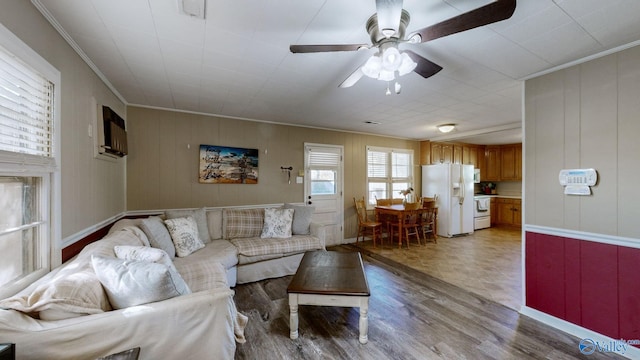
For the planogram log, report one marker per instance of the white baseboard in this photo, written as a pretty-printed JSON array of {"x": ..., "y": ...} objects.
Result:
[{"x": 630, "y": 352}]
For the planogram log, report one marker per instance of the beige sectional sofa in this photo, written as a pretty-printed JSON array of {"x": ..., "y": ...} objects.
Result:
[{"x": 69, "y": 313}]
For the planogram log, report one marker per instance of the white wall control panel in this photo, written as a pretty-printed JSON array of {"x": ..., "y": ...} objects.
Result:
[
  {"x": 587, "y": 177},
  {"x": 578, "y": 181}
]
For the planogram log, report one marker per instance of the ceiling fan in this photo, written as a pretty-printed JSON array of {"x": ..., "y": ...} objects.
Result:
[{"x": 387, "y": 28}]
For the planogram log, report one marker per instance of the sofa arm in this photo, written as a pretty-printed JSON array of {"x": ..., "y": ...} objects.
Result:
[
  {"x": 199, "y": 325},
  {"x": 319, "y": 230}
]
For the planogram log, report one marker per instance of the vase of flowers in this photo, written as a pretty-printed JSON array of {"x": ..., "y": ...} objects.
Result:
[{"x": 406, "y": 193}]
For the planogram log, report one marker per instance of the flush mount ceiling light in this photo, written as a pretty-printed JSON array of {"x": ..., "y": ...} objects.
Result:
[
  {"x": 446, "y": 128},
  {"x": 193, "y": 8}
]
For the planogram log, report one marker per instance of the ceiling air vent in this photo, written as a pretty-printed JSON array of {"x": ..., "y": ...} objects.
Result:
[{"x": 193, "y": 8}]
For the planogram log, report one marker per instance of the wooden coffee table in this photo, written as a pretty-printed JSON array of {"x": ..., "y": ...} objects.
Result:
[{"x": 330, "y": 278}]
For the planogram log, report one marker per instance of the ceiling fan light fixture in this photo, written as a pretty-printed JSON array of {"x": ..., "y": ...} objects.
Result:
[
  {"x": 391, "y": 59},
  {"x": 407, "y": 65},
  {"x": 446, "y": 128},
  {"x": 372, "y": 67},
  {"x": 387, "y": 75}
]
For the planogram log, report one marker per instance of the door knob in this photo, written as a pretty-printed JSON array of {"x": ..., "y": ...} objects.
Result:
[{"x": 309, "y": 202}]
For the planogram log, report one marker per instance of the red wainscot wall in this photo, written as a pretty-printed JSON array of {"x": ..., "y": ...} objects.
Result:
[{"x": 587, "y": 283}]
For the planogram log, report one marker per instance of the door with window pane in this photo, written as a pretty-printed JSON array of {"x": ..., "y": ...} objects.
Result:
[{"x": 323, "y": 188}]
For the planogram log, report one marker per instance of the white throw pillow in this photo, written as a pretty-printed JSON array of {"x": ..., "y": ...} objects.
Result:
[
  {"x": 184, "y": 233},
  {"x": 133, "y": 282},
  {"x": 277, "y": 223},
  {"x": 143, "y": 253}
]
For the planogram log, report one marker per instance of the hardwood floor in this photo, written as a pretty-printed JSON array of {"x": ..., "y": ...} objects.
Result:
[
  {"x": 412, "y": 315},
  {"x": 487, "y": 262}
]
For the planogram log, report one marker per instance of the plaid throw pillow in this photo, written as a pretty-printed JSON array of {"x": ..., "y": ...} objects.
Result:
[{"x": 242, "y": 223}]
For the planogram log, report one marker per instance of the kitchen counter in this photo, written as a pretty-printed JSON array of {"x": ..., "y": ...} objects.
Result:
[{"x": 498, "y": 196}]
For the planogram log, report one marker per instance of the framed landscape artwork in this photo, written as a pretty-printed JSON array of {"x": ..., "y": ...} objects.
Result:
[{"x": 228, "y": 165}]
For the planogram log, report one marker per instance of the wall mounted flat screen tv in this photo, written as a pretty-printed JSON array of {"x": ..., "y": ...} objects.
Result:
[{"x": 115, "y": 134}]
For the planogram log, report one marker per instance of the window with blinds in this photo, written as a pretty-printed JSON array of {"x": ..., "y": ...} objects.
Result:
[
  {"x": 27, "y": 163},
  {"x": 323, "y": 169},
  {"x": 388, "y": 172},
  {"x": 26, "y": 110}
]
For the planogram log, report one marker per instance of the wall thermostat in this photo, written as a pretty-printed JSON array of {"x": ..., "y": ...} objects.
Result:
[{"x": 578, "y": 181}]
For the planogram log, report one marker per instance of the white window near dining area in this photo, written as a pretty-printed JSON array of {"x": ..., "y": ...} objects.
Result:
[
  {"x": 29, "y": 176},
  {"x": 388, "y": 172}
]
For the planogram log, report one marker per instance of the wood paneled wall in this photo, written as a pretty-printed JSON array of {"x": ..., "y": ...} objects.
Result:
[
  {"x": 586, "y": 283},
  {"x": 585, "y": 116},
  {"x": 162, "y": 165},
  {"x": 92, "y": 190}
]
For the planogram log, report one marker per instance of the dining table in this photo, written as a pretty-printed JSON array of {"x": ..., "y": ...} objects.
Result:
[{"x": 399, "y": 212}]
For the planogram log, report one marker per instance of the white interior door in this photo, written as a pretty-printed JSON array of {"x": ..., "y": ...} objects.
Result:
[{"x": 323, "y": 188}]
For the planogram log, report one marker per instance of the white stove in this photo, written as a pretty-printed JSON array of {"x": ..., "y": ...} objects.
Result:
[{"x": 481, "y": 212}]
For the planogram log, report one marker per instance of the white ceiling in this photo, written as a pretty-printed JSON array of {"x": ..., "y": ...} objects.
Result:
[{"x": 236, "y": 62}]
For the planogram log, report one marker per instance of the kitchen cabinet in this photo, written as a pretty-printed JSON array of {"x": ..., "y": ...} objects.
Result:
[
  {"x": 509, "y": 211},
  {"x": 441, "y": 153},
  {"x": 493, "y": 211},
  {"x": 457, "y": 154},
  {"x": 493, "y": 165},
  {"x": 502, "y": 163},
  {"x": 425, "y": 152},
  {"x": 511, "y": 162}
]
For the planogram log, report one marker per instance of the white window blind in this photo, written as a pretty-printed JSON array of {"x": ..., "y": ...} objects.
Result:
[
  {"x": 388, "y": 172},
  {"x": 377, "y": 164},
  {"x": 320, "y": 158},
  {"x": 26, "y": 114}
]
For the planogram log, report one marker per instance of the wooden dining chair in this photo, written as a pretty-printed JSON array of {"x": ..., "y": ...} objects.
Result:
[
  {"x": 385, "y": 219},
  {"x": 411, "y": 222},
  {"x": 364, "y": 224},
  {"x": 428, "y": 220}
]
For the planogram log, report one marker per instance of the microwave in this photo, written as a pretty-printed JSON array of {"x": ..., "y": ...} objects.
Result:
[{"x": 476, "y": 176}]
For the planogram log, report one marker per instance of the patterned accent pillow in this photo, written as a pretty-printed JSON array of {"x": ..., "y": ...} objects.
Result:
[
  {"x": 301, "y": 218},
  {"x": 242, "y": 223},
  {"x": 277, "y": 223},
  {"x": 184, "y": 233},
  {"x": 132, "y": 282},
  {"x": 158, "y": 235},
  {"x": 143, "y": 253},
  {"x": 200, "y": 216}
]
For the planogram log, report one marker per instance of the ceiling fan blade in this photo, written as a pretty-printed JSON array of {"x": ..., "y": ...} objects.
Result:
[
  {"x": 425, "y": 67},
  {"x": 326, "y": 48},
  {"x": 388, "y": 13},
  {"x": 352, "y": 79},
  {"x": 496, "y": 11}
]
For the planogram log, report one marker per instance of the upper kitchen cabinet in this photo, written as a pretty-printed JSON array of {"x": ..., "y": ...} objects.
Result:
[
  {"x": 456, "y": 153},
  {"x": 511, "y": 162},
  {"x": 492, "y": 164},
  {"x": 503, "y": 163},
  {"x": 441, "y": 153},
  {"x": 470, "y": 155}
]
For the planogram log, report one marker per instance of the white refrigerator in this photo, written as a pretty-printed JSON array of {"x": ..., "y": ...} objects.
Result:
[{"x": 453, "y": 184}]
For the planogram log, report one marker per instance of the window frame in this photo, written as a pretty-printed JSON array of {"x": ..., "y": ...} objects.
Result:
[
  {"x": 24, "y": 165},
  {"x": 388, "y": 180}
]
